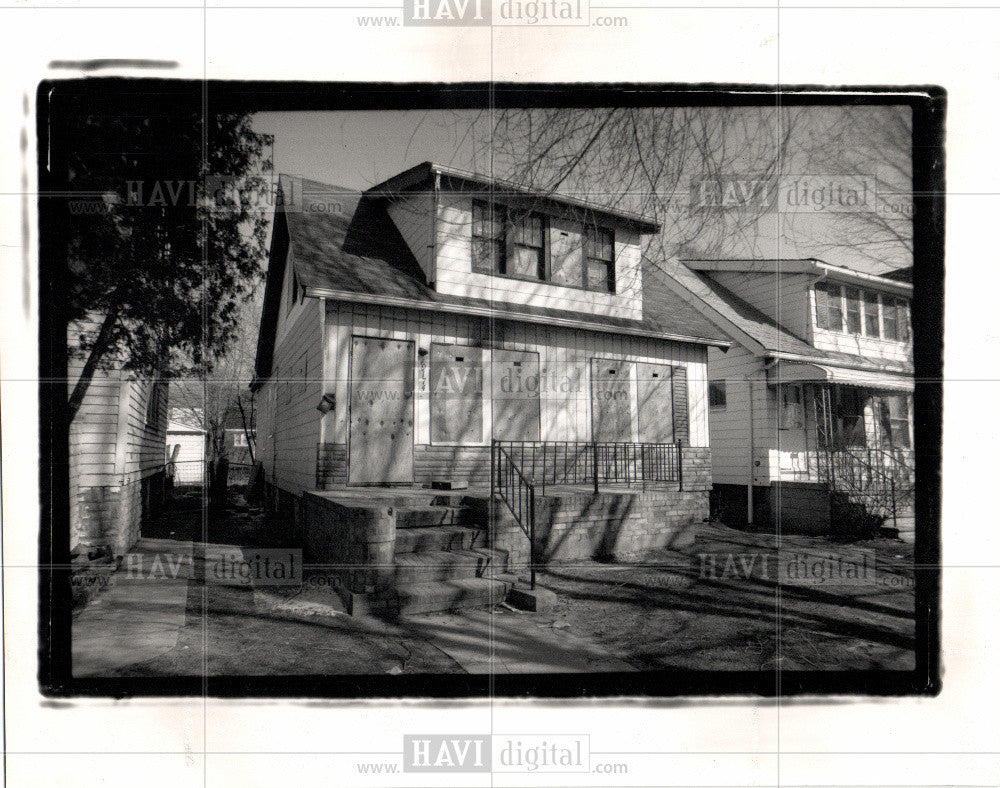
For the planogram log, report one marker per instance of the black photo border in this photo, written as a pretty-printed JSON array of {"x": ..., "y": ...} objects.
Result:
[{"x": 54, "y": 668}]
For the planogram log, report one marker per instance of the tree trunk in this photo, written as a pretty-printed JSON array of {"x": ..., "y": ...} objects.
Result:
[
  {"x": 246, "y": 429},
  {"x": 90, "y": 367}
]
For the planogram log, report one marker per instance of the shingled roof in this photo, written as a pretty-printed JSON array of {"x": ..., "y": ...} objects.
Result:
[{"x": 344, "y": 245}]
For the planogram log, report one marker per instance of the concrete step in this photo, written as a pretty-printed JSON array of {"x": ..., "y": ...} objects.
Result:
[
  {"x": 426, "y": 515},
  {"x": 431, "y": 565},
  {"x": 439, "y": 537},
  {"x": 413, "y": 598}
]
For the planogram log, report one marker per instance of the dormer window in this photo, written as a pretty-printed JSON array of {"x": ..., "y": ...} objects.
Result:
[
  {"x": 600, "y": 268},
  {"x": 489, "y": 239},
  {"x": 852, "y": 310},
  {"x": 518, "y": 244},
  {"x": 526, "y": 254}
]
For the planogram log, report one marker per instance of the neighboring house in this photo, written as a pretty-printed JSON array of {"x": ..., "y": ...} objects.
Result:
[
  {"x": 116, "y": 446},
  {"x": 404, "y": 331},
  {"x": 187, "y": 442},
  {"x": 811, "y": 412},
  {"x": 238, "y": 447}
]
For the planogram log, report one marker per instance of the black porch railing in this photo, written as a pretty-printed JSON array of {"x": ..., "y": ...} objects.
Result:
[
  {"x": 880, "y": 479},
  {"x": 578, "y": 463},
  {"x": 518, "y": 493}
]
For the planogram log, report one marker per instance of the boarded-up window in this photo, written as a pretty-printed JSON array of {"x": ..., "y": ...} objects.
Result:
[
  {"x": 565, "y": 255},
  {"x": 516, "y": 403},
  {"x": 656, "y": 403},
  {"x": 611, "y": 394},
  {"x": 456, "y": 392}
]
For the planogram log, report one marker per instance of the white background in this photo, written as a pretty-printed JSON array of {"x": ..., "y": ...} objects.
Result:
[{"x": 949, "y": 740}]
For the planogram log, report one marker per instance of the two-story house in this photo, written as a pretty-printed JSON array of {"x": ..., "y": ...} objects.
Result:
[
  {"x": 810, "y": 413},
  {"x": 449, "y": 330}
]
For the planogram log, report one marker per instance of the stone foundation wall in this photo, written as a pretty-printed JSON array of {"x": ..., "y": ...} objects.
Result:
[
  {"x": 357, "y": 544},
  {"x": 111, "y": 516},
  {"x": 607, "y": 525}
]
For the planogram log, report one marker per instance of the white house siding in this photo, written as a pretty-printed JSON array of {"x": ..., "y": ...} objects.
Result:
[
  {"x": 564, "y": 355},
  {"x": 785, "y": 298},
  {"x": 190, "y": 459},
  {"x": 112, "y": 451},
  {"x": 730, "y": 426},
  {"x": 413, "y": 216},
  {"x": 454, "y": 275},
  {"x": 289, "y": 427}
]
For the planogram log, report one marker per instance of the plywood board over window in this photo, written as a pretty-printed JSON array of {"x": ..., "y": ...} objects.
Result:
[
  {"x": 456, "y": 389},
  {"x": 611, "y": 395},
  {"x": 516, "y": 401},
  {"x": 656, "y": 403}
]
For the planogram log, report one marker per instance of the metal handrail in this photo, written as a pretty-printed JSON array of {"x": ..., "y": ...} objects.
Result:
[
  {"x": 518, "y": 493},
  {"x": 552, "y": 463},
  {"x": 876, "y": 476}
]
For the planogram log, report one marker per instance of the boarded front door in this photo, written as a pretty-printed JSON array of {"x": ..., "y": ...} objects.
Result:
[
  {"x": 656, "y": 403},
  {"x": 611, "y": 396},
  {"x": 381, "y": 435}
]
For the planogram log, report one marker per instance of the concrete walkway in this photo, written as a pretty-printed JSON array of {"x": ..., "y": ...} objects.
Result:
[{"x": 140, "y": 614}]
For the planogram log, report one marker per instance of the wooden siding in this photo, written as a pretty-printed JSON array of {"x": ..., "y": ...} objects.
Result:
[
  {"x": 454, "y": 274},
  {"x": 730, "y": 426},
  {"x": 289, "y": 428},
  {"x": 564, "y": 356},
  {"x": 111, "y": 446},
  {"x": 414, "y": 218},
  {"x": 785, "y": 298}
]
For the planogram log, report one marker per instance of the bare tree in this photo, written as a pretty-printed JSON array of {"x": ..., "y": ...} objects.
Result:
[
  {"x": 711, "y": 176},
  {"x": 211, "y": 401}
]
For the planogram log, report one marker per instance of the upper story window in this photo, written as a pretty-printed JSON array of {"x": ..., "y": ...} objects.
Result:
[
  {"x": 506, "y": 242},
  {"x": 600, "y": 252},
  {"x": 489, "y": 240},
  {"x": 860, "y": 312},
  {"x": 526, "y": 255}
]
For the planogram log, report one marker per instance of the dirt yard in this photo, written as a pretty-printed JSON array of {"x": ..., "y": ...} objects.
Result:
[{"x": 734, "y": 600}]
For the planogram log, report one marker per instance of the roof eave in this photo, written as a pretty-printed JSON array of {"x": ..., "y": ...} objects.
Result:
[{"x": 498, "y": 314}]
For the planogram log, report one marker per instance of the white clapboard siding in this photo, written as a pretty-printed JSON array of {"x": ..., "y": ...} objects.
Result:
[
  {"x": 454, "y": 275},
  {"x": 784, "y": 298},
  {"x": 110, "y": 442},
  {"x": 730, "y": 426},
  {"x": 564, "y": 361},
  {"x": 290, "y": 425}
]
